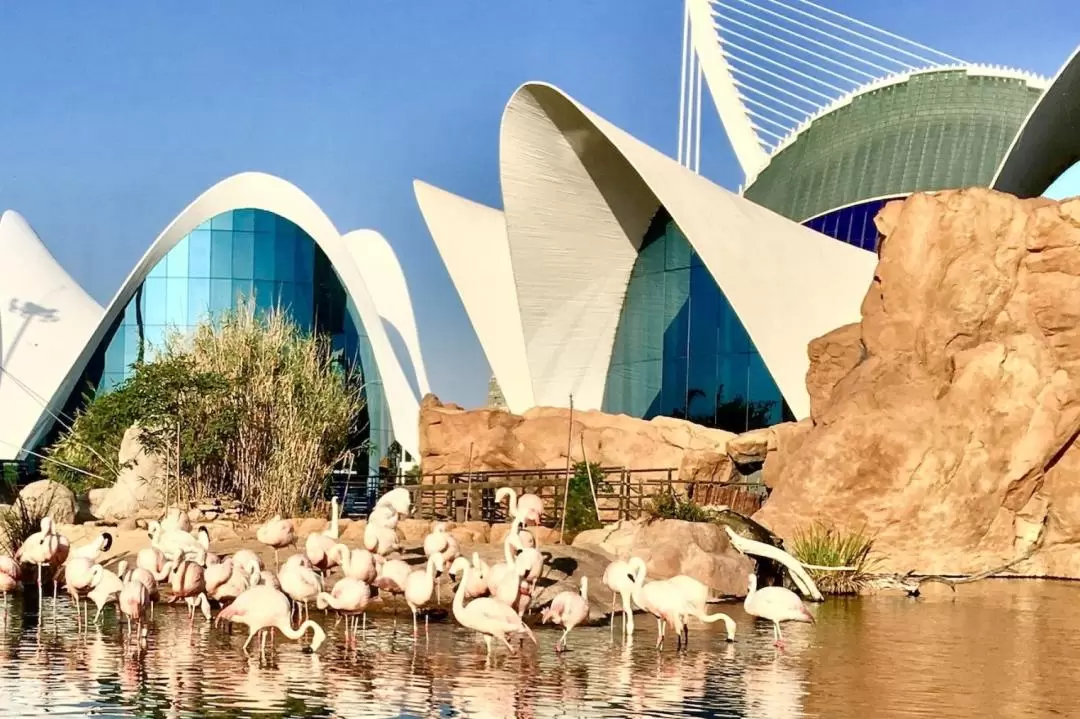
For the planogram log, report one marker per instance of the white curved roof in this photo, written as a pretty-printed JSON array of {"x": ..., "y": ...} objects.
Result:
[
  {"x": 579, "y": 194},
  {"x": 45, "y": 320},
  {"x": 385, "y": 282},
  {"x": 260, "y": 191},
  {"x": 471, "y": 238}
]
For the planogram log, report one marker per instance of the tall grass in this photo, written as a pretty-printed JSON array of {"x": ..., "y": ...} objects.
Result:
[
  {"x": 850, "y": 553},
  {"x": 21, "y": 520}
]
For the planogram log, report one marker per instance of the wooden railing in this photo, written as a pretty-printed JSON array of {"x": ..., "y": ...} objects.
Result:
[{"x": 620, "y": 493}]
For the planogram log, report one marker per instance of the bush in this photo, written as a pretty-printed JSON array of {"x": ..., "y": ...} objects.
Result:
[
  {"x": 667, "y": 504},
  {"x": 821, "y": 546},
  {"x": 21, "y": 520},
  {"x": 249, "y": 407},
  {"x": 580, "y": 508}
]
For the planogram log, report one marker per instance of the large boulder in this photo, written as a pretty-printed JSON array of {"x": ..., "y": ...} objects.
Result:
[
  {"x": 945, "y": 421},
  {"x": 46, "y": 497},
  {"x": 669, "y": 546},
  {"x": 536, "y": 439},
  {"x": 141, "y": 485}
]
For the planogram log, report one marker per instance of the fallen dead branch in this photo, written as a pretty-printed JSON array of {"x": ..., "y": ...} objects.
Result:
[{"x": 911, "y": 583}]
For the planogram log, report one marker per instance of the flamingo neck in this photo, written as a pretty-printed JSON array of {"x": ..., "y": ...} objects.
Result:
[
  {"x": 508, "y": 553},
  {"x": 750, "y": 592},
  {"x": 299, "y": 632},
  {"x": 585, "y": 588},
  {"x": 334, "y": 511},
  {"x": 459, "y": 595},
  {"x": 512, "y": 501},
  {"x": 431, "y": 567}
]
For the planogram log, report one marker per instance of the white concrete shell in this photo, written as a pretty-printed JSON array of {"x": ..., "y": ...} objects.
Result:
[
  {"x": 471, "y": 238},
  {"x": 579, "y": 194},
  {"x": 265, "y": 192},
  {"x": 45, "y": 321}
]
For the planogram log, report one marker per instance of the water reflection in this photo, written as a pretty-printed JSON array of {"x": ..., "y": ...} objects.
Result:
[{"x": 1000, "y": 649}]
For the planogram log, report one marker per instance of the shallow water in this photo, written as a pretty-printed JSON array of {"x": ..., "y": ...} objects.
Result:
[{"x": 995, "y": 649}]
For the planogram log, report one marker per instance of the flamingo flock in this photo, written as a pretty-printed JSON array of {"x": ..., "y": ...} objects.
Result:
[{"x": 490, "y": 600}]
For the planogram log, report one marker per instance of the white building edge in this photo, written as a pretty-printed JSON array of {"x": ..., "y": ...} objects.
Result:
[
  {"x": 252, "y": 190},
  {"x": 46, "y": 319},
  {"x": 544, "y": 288}
]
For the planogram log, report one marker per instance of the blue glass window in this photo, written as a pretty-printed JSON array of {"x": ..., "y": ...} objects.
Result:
[{"x": 680, "y": 350}]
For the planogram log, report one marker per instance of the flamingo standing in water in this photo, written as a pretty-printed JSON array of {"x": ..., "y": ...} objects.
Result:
[
  {"x": 189, "y": 584},
  {"x": 105, "y": 587},
  {"x": 777, "y": 604},
  {"x": 44, "y": 547},
  {"x": 528, "y": 506},
  {"x": 619, "y": 578},
  {"x": 263, "y": 609},
  {"x": 380, "y": 539},
  {"x": 10, "y": 574},
  {"x": 359, "y": 564},
  {"x": 568, "y": 609},
  {"x": 153, "y": 560},
  {"x": 442, "y": 543},
  {"x": 319, "y": 547},
  {"x": 486, "y": 616},
  {"x": 277, "y": 533},
  {"x": 133, "y": 602},
  {"x": 78, "y": 574},
  {"x": 393, "y": 576},
  {"x": 301, "y": 583},
  {"x": 419, "y": 586},
  {"x": 143, "y": 577},
  {"x": 348, "y": 598}
]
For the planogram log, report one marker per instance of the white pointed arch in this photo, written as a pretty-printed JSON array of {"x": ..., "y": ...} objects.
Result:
[
  {"x": 471, "y": 238},
  {"x": 260, "y": 191},
  {"x": 579, "y": 194},
  {"x": 385, "y": 281},
  {"x": 45, "y": 320}
]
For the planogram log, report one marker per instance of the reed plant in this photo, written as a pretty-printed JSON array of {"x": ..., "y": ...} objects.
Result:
[
  {"x": 20, "y": 520},
  {"x": 839, "y": 562}
]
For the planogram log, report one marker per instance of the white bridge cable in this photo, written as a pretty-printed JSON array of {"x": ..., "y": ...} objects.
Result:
[
  {"x": 750, "y": 76},
  {"x": 762, "y": 130},
  {"x": 724, "y": 45},
  {"x": 804, "y": 61},
  {"x": 767, "y": 96},
  {"x": 856, "y": 58}
]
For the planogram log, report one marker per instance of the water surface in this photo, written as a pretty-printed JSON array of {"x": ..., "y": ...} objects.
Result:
[{"x": 995, "y": 649}]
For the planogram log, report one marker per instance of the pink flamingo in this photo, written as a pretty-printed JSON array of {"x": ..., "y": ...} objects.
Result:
[
  {"x": 503, "y": 580},
  {"x": 319, "y": 547},
  {"x": 442, "y": 543},
  {"x": 529, "y": 563},
  {"x": 45, "y": 547},
  {"x": 476, "y": 587},
  {"x": 189, "y": 584},
  {"x": 175, "y": 519},
  {"x": 133, "y": 602},
  {"x": 348, "y": 598},
  {"x": 277, "y": 533},
  {"x": 420, "y": 585},
  {"x": 568, "y": 609},
  {"x": 380, "y": 539},
  {"x": 263, "y": 609},
  {"x": 10, "y": 574},
  {"x": 776, "y": 604},
  {"x": 528, "y": 506},
  {"x": 216, "y": 575},
  {"x": 143, "y": 577},
  {"x": 105, "y": 587},
  {"x": 153, "y": 560},
  {"x": 619, "y": 578},
  {"x": 78, "y": 574},
  {"x": 359, "y": 564},
  {"x": 95, "y": 547},
  {"x": 301, "y": 583},
  {"x": 398, "y": 499},
  {"x": 486, "y": 616}
]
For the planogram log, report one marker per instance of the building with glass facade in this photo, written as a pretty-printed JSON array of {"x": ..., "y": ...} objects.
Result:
[{"x": 251, "y": 238}]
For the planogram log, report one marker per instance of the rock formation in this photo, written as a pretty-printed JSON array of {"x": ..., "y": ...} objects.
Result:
[
  {"x": 46, "y": 497},
  {"x": 669, "y": 547},
  {"x": 140, "y": 486},
  {"x": 538, "y": 440},
  {"x": 945, "y": 421}
]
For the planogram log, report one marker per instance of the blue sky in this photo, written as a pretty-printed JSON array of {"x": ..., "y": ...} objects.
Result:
[{"x": 118, "y": 114}]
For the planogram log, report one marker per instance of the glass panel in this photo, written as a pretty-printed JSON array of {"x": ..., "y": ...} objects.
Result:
[
  {"x": 178, "y": 259},
  {"x": 264, "y": 221},
  {"x": 243, "y": 220},
  {"x": 265, "y": 256},
  {"x": 198, "y": 300},
  {"x": 285, "y": 259},
  {"x": 264, "y": 294},
  {"x": 155, "y": 304},
  {"x": 220, "y": 296},
  {"x": 177, "y": 310},
  {"x": 222, "y": 221},
  {"x": 241, "y": 291},
  {"x": 243, "y": 262},
  {"x": 221, "y": 254},
  {"x": 199, "y": 254}
]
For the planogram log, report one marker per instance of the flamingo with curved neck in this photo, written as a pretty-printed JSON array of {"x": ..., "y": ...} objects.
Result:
[
  {"x": 486, "y": 616},
  {"x": 777, "y": 604},
  {"x": 263, "y": 609}
]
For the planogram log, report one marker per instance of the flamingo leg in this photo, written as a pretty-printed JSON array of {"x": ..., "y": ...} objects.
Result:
[
  {"x": 414, "y": 627},
  {"x": 628, "y": 614},
  {"x": 507, "y": 643},
  {"x": 262, "y": 645},
  {"x": 560, "y": 646},
  {"x": 251, "y": 635},
  {"x": 487, "y": 640},
  {"x": 40, "y": 593},
  {"x": 613, "y": 617}
]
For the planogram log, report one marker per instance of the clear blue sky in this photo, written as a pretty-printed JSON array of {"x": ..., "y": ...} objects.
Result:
[{"x": 117, "y": 114}]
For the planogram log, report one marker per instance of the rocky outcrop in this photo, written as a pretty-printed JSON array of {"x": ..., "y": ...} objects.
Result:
[
  {"x": 50, "y": 498},
  {"x": 669, "y": 547},
  {"x": 538, "y": 439},
  {"x": 140, "y": 486},
  {"x": 945, "y": 421}
]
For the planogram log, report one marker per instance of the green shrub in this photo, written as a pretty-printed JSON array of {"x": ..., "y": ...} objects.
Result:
[
  {"x": 821, "y": 546},
  {"x": 21, "y": 520},
  {"x": 580, "y": 508},
  {"x": 667, "y": 504}
]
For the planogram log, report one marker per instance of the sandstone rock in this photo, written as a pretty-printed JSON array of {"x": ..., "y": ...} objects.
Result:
[
  {"x": 140, "y": 486},
  {"x": 46, "y": 497},
  {"x": 671, "y": 547},
  {"x": 94, "y": 498},
  {"x": 194, "y": 515},
  {"x": 470, "y": 532},
  {"x": 537, "y": 439},
  {"x": 751, "y": 447},
  {"x": 705, "y": 465},
  {"x": 127, "y": 525},
  {"x": 952, "y": 437},
  {"x": 354, "y": 533},
  {"x": 414, "y": 530},
  {"x": 787, "y": 437},
  {"x": 310, "y": 525}
]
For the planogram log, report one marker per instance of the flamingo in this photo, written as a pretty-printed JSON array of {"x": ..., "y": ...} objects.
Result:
[
  {"x": 442, "y": 543},
  {"x": 95, "y": 548},
  {"x": 10, "y": 574},
  {"x": 143, "y": 577},
  {"x": 105, "y": 587},
  {"x": 277, "y": 533},
  {"x": 78, "y": 574},
  {"x": 301, "y": 583},
  {"x": 263, "y": 609},
  {"x": 245, "y": 558},
  {"x": 696, "y": 595},
  {"x": 45, "y": 547},
  {"x": 153, "y": 560},
  {"x": 476, "y": 587},
  {"x": 178, "y": 544},
  {"x": 234, "y": 585},
  {"x": 133, "y": 600},
  {"x": 380, "y": 540},
  {"x": 529, "y": 563},
  {"x": 485, "y": 615},
  {"x": 777, "y": 604},
  {"x": 177, "y": 520},
  {"x": 568, "y": 609},
  {"x": 384, "y": 516},
  {"x": 619, "y": 578},
  {"x": 188, "y": 582},
  {"x": 420, "y": 585},
  {"x": 357, "y": 564},
  {"x": 319, "y": 547},
  {"x": 503, "y": 580},
  {"x": 529, "y": 506},
  {"x": 216, "y": 575},
  {"x": 398, "y": 499},
  {"x": 348, "y": 598}
]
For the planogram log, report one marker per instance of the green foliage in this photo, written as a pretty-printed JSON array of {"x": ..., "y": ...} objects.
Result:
[
  {"x": 248, "y": 406},
  {"x": 667, "y": 504},
  {"x": 21, "y": 520},
  {"x": 580, "y": 507},
  {"x": 823, "y": 546}
]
